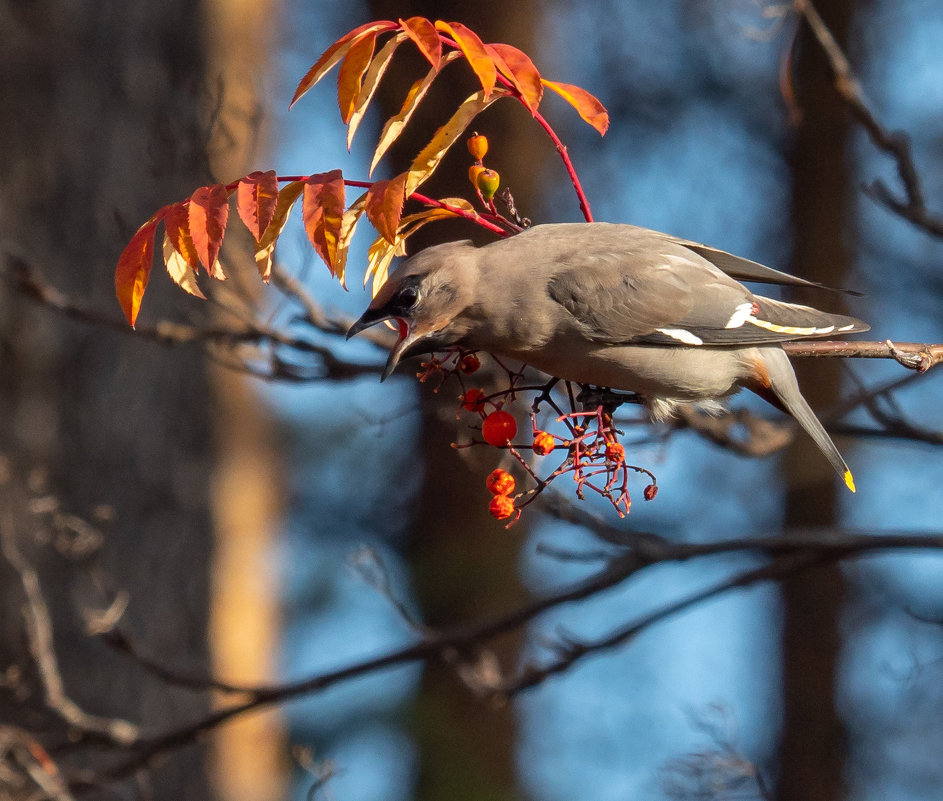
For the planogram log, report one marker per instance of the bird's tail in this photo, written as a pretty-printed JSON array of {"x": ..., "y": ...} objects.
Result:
[{"x": 785, "y": 388}]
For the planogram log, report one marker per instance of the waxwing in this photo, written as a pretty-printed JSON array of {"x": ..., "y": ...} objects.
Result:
[{"x": 613, "y": 306}]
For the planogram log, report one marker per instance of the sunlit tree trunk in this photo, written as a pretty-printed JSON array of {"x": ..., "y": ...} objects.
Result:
[
  {"x": 250, "y": 760},
  {"x": 812, "y": 744}
]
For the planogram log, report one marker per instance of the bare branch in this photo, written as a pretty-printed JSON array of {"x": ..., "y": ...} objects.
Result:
[
  {"x": 21, "y": 754},
  {"x": 42, "y": 648},
  {"x": 912, "y": 355},
  {"x": 895, "y": 143},
  {"x": 789, "y": 554}
]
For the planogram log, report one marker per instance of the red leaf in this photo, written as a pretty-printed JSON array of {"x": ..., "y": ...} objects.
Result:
[
  {"x": 385, "y": 206},
  {"x": 134, "y": 268},
  {"x": 350, "y": 77},
  {"x": 322, "y": 209},
  {"x": 516, "y": 66},
  {"x": 209, "y": 211},
  {"x": 426, "y": 38},
  {"x": 177, "y": 225},
  {"x": 256, "y": 197},
  {"x": 589, "y": 108},
  {"x": 474, "y": 50},
  {"x": 334, "y": 54}
]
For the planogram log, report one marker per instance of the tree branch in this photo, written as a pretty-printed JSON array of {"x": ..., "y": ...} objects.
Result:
[
  {"x": 789, "y": 554},
  {"x": 41, "y": 646},
  {"x": 895, "y": 143}
]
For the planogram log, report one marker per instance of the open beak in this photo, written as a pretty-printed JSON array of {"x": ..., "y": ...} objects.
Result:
[{"x": 407, "y": 336}]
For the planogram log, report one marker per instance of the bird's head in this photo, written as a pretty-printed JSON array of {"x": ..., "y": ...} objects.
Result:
[{"x": 425, "y": 296}]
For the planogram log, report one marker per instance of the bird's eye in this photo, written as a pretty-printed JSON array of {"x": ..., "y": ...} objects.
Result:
[{"x": 407, "y": 297}]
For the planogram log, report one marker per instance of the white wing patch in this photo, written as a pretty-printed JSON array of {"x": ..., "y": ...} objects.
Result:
[
  {"x": 681, "y": 335},
  {"x": 740, "y": 315}
]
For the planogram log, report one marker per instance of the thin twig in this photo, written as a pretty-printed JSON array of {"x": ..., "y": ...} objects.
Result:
[{"x": 41, "y": 646}]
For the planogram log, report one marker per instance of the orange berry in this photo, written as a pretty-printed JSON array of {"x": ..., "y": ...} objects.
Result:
[
  {"x": 500, "y": 482},
  {"x": 615, "y": 453},
  {"x": 543, "y": 443},
  {"x": 474, "y": 400},
  {"x": 478, "y": 146},
  {"x": 488, "y": 183},
  {"x": 498, "y": 427},
  {"x": 473, "y": 172},
  {"x": 469, "y": 364},
  {"x": 501, "y": 507}
]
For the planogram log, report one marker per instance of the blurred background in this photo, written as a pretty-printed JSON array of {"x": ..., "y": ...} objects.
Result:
[{"x": 230, "y": 520}]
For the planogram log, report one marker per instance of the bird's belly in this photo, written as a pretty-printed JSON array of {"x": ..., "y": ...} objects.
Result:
[{"x": 683, "y": 374}]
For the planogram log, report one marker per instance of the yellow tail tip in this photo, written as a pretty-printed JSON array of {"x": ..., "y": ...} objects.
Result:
[{"x": 849, "y": 480}]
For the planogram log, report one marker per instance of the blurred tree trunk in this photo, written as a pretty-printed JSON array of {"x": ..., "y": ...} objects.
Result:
[
  {"x": 106, "y": 119},
  {"x": 465, "y": 563},
  {"x": 812, "y": 744}
]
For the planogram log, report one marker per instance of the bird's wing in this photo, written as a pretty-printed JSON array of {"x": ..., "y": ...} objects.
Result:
[
  {"x": 670, "y": 295},
  {"x": 746, "y": 270}
]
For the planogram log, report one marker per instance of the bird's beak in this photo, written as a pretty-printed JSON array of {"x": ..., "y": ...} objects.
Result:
[
  {"x": 407, "y": 336},
  {"x": 369, "y": 318}
]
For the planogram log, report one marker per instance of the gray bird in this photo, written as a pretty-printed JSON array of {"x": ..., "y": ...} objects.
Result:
[{"x": 613, "y": 306}]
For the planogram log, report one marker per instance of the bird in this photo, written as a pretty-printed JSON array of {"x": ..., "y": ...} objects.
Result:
[{"x": 614, "y": 306}]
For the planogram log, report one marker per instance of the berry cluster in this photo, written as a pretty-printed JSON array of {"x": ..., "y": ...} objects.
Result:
[{"x": 588, "y": 440}]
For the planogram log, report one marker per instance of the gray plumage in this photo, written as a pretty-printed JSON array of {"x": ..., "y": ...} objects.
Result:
[{"x": 615, "y": 306}]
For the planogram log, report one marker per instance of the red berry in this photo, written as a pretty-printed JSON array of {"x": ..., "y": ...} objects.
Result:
[
  {"x": 650, "y": 492},
  {"x": 498, "y": 427},
  {"x": 500, "y": 482},
  {"x": 501, "y": 507},
  {"x": 469, "y": 364},
  {"x": 474, "y": 400},
  {"x": 615, "y": 453},
  {"x": 543, "y": 443}
]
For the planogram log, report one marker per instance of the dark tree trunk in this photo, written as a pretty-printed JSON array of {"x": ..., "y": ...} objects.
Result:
[
  {"x": 812, "y": 743},
  {"x": 106, "y": 120},
  {"x": 465, "y": 563}
]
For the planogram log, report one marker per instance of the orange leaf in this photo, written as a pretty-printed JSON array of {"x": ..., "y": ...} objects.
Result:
[
  {"x": 474, "y": 50},
  {"x": 134, "y": 268},
  {"x": 209, "y": 211},
  {"x": 516, "y": 66},
  {"x": 395, "y": 124},
  {"x": 351, "y": 74},
  {"x": 589, "y": 108},
  {"x": 256, "y": 197},
  {"x": 335, "y": 53},
  {"x": 265, "y": 247},
  {"x": 322, "y": 209},
  {"x": 370, "y": 83},
  {"x": 379, "y": 258},
  {"x": 179, "y": 269},
  {"x": 426, "y": 38},
  {"x": 345, "y": 236},
  {"x": 385, "y": 205},
  {"x": 432, "y": 154}
]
